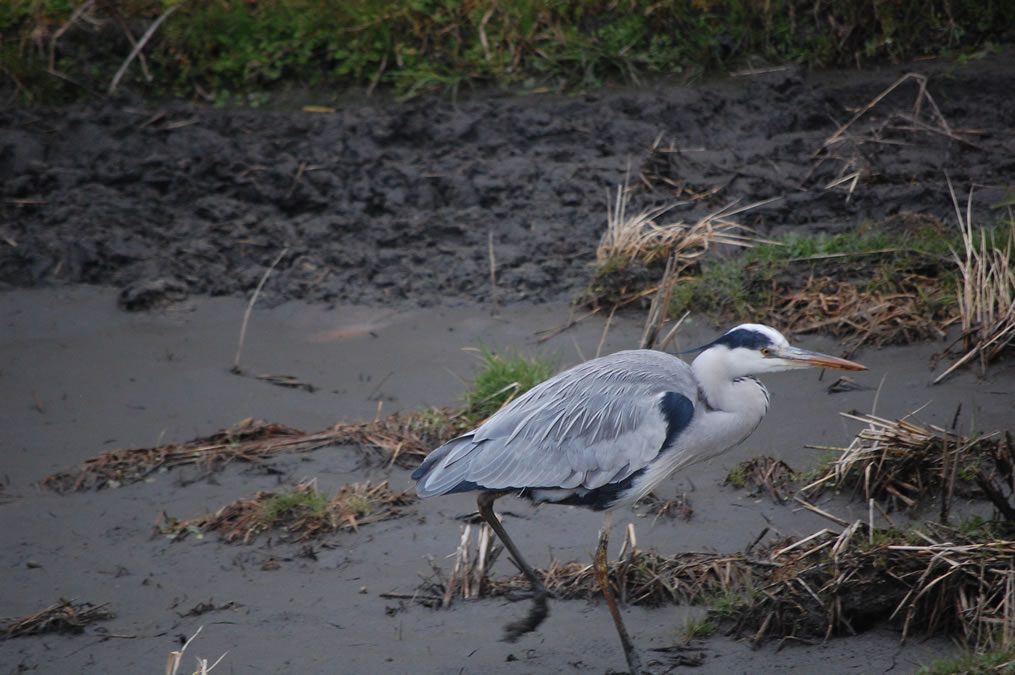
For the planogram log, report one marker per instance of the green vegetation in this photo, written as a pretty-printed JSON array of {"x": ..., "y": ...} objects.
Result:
[
  {"x": 974, "y": 663},
  {"x": 696, "y": 628},
  {"x": 498, "y": 379},
  {"x": 978, "y": 528},
  {"x": 297, "y": 513},
  {"x": 236, "y": 50},
  {"x": 292, "y": 504},
  {"x": 875, "y": 258},
  {"x": 722, "y": 607},
  {"x": 728, "y": 603},
  {"x": 891, "y": 282},
  {"x": 501, "y": 379},
  {"x": 737, "y": 477}
]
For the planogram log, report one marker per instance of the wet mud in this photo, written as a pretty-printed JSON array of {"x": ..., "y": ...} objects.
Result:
[{"x": 403, "y": 203}]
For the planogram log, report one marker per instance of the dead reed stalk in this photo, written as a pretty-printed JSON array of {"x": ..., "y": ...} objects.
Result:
[
  {"x": 253, "y": 298},
  {"x": 987, "y": 296},
  {"x": 846, "y": 145},
  {"x": 176, "y": 658}
]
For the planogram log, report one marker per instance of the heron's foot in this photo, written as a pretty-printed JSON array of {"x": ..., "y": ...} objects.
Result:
[{"x": 537, "y": 613}]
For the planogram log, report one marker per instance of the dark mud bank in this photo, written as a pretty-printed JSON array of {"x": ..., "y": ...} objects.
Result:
[{"x": 384, "y": 203}]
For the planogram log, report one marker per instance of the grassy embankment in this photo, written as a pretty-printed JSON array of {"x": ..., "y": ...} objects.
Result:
[{"x": 243, "y": 52}]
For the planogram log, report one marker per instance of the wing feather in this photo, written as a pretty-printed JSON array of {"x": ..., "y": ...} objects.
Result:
[{"x": 589, "y": 426}]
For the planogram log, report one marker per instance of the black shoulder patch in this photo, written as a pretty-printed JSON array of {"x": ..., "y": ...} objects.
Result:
[
  {"x": 744, "y": 337},
  {"x": 678, "y": 411}
]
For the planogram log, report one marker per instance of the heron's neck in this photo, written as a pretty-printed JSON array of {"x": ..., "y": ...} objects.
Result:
[{"x": 726, "y": 392}]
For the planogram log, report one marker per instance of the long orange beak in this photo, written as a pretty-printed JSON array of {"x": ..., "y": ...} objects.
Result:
[{"x": 806, "y": 358}]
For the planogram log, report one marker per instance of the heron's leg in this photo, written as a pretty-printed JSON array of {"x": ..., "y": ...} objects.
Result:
[
  {"x": 602, "y": 574},
  {"x": 539, "y": 609}
]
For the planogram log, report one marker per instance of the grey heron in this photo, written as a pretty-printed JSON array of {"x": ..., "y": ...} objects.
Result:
[{"x": 604, "y": 433}]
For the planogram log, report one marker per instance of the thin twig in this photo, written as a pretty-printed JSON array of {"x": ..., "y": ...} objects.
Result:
[
  {"x": 606, "y": 329},
  {"x": 250, "y": 305},
  {"x": 139, "y": 46},
  {"x": 493, "y": 273}
]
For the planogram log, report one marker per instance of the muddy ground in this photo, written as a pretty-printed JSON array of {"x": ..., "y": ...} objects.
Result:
[
  {"x": 396, "y": 203},
  {"x": 130, "y": 205}
]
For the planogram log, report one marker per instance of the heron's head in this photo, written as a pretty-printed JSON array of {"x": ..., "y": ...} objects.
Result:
[{"x": 754, "y": 349}]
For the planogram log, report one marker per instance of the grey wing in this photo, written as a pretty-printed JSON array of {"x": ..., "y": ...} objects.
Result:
[{"x": 594, "y": 424}]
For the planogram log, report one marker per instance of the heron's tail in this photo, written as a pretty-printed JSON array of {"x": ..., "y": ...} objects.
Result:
[{"x": 444, "y": 470}]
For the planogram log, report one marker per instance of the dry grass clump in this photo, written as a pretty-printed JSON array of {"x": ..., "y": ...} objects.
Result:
[
  {"x": 641, "y": 237},
  {"x": 637, "y": 577},
  {"x": 651, "y": 579},
  {"x": 402, "y": 440},
  {"x": 763, "y": 474},
  {"x": 300, "y": 513},
  {"x": 830, "y": 583},
  {"x": 987, "y": 294},
  {"x": 901, "y": 462},
  {"x": 657, "y": 507},
  {"x": 65, "y": 616},
  {"x": 249, "y": 441},
  {"x": 887, "y": 283},
  {"x": 942, "y": 580},
  {"x": 841, "y": 583},
  {"x": 872, "y": 317},
  {"x": 634, "y": 245}
]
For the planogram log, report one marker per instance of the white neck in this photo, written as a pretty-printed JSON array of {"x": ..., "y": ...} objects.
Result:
[
  {"x": 744, "y": 398},
  {"x": 736, "y": 404}
]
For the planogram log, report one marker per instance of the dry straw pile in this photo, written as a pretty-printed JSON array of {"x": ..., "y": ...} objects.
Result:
[
  {"x": 298, "y": 514},
  {"x": 65, "y": 616},
  {"x": 900, "y": 462},
  {"x": 402, "y": 440}
]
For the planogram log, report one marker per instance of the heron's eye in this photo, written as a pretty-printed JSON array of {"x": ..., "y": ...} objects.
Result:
[{"x": 765, "y": 351}]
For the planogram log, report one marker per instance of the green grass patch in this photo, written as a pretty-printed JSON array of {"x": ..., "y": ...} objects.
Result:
[
  {"x": 883, "y": 283},
  {"x": 873, "y": 256},
  {"x": 974, "y": 663},
  {"x": 697, "y": 628},
  {"x": 502, "y": 378},
  {"x": 727, "y": 603},
  {"x": 224, "y": 50},
  {"x": 292, "y": 504}
]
